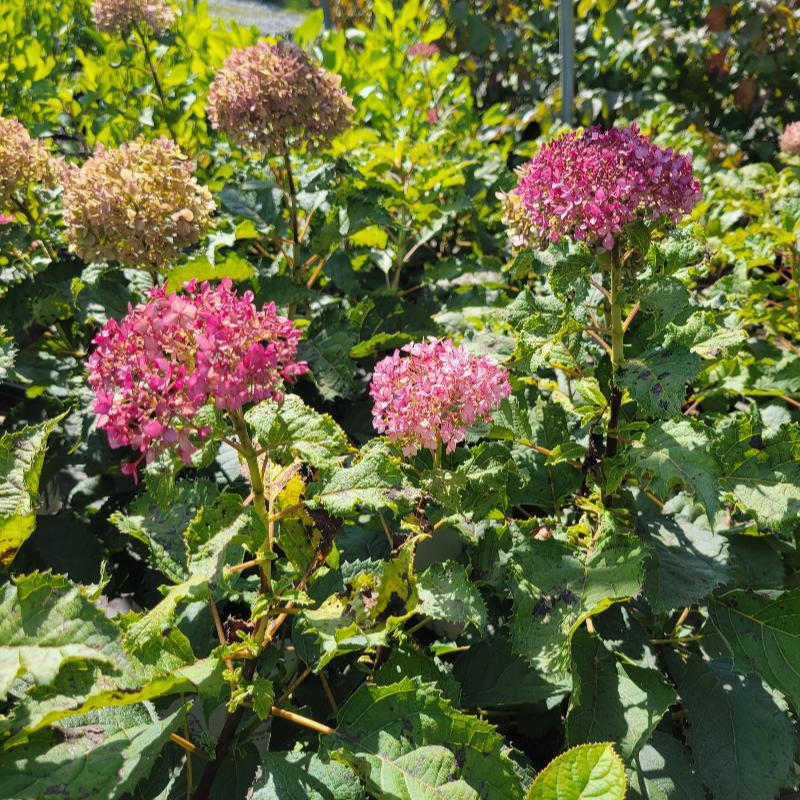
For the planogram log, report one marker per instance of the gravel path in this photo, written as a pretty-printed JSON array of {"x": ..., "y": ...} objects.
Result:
[{"x": 266, "y": 17}]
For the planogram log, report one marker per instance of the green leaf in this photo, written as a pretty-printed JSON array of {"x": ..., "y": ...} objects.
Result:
[
  {"x": 662, "y": 771},
  {"x": 304, "y": 776},
  {"x": 405, "y": 660},
  {"x": 491, "y": 675},
  {"x": 688, "y": 560},
  {"x": 657, "y": 379},
  {"x": 200, "y": 268},
  {"x": 47, "y": 622},
  {"x": 702, "y": 335},
  {"x": 740, "y": 735},
  {"x": 408, "y": 742},
  {"x": 676, "y": 453},
  {"x": 21, "y": 459},
  {"x": 761, "y": 471},
  {"x": 294, "y": 429},
  {"x": 555, "y": 588},
  {"x": 309, "y": 28},
  {"x": 375, "y": 482},
  {"x": 613, "y": 699},
  {"x": 584, "y": 772},
  {"x": 328, "y": 357},
  {"x": 445, "y": 593},
  {"x": 762, "y": 632},
  {"x": 8, "y": 352},
  {"x": 91, "y": 761}
]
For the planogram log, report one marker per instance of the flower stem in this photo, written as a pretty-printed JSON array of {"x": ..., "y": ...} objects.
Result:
[
  {"x": 617, "y": 352},
  {"x": 292, "y": 192},
  {"x": 156, "y": 81}
]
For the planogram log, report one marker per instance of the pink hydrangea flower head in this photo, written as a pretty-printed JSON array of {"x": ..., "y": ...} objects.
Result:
[
  {"x": 789, "y": 140},
  {"x": 153, "y": 370},
  {"x": 23, "y": 161},
  {"x": 274, "y": 98},
  {"x": 433, "y": 393},
  {"x": 121, "y": 16},
  {"x": 588, "y": 186},
  {"x": 138, "y": 204},
  {"x": 423, "y": 50}
]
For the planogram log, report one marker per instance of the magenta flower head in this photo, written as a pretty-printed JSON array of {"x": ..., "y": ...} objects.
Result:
[
  {"x": 153, "y": 370},
  {"x": 588, "y": 186},
  {"x": 789, "y": 141},
  {"x": 433, "y": 394},
  {"x": 274, "y": 98},
  {"x": 122, "y": 16}
]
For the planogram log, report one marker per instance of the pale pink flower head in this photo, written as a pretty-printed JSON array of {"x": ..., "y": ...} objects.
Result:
[
  {"x": 433, "y": 393},
  {"x": 588, "y": 186},
  {"x": 23, "y": 161},
  {"x": 122, "y": 16},
  {"x": 273, "y": 98},
  {"x": 789, "y": 140},
  {"x": 153, "y": 370},
  {"x": 423, "y": 50},
  {"x": 139, "y": 204}
]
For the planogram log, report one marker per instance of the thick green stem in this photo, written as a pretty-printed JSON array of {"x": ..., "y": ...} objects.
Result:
[
  {"x": 617, "y": 351},
  {"x": 159, "y": 89},
  {"x": 259, "y": 499},
  {"x": 291, "y": 190}
]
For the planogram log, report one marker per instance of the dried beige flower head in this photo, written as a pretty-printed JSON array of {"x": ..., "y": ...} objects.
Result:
[
  {"x": 138, "y": 204},
  {"x": 121, "y": 16},
  {"x": 274, "y": 98},
  {"x": 23, "y": 160}
]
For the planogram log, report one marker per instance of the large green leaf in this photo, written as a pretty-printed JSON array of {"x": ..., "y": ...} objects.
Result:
[
  {"x": 8, "y": 352},
  {"x": 762, "y": 632},
  {"x": 375, "y": 482},
  {"x": 97, "y": 761},
  {"x": 585, "y": 772},
  {"x": 304, "y": 776},
  {"x": 761, "y": 471},
  {"x": 555, "y": 588},
  {"x": 676, "y": 453},
  {"x": 663, "y": 771},
  {"x": 445, "y": 593},
  {"x": 294, "y": 429},
  {"x": 21, "y": 458},
  {"x": 657, "y": 379},
  {"x": 613, "y": 699},
  {"x": 408, "y": 743},
  {"x": 740, "y": 735},
  {"x": 47, "y": 622}
]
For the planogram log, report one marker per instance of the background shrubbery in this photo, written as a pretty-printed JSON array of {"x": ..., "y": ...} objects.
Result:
[{"x": 457, "y": 623}]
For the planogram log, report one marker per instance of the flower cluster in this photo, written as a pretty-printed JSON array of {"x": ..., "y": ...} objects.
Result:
[
  {"x": 139, "y": 204},
  {"x": 588, "y": 186},
  {"x": 273, "y": 98},
  {"x": 422, "y": 50},
  {"x": 121, "y": 16},
  {"x": 433, "y": 394},
  {"x": 789, "y": 140},
  {"x": 23, "y": 160},
  {"x": 153, "y": 370}
]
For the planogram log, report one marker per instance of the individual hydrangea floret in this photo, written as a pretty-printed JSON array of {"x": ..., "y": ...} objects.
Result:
[
  {"x": 433, "y": 393},
  {"x": 274, "y": 98},
  {"x": 23, "y": 160},
  {"x": 138, "y": 204},
  {"x": 588, "y": 186},
  {"x": 789, "y": 140},
  {"x": 152, "y": 371},
  {"x": 122, "y": 16}
]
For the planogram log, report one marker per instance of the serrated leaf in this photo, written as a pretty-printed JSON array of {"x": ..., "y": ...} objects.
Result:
[
  {"x": 21, "y": 459},
  {"x": 293, "y": 429},
  {"x": 761, "y": 471},
  {"x": 586, "y": 771},
  {"x": 677, "y": 453},
  {"x": 46, "y": 622},
  {"x": 329, "y": 362},
  {"x": 445, "y": 593},
  {"x": 657, "y": 379},
  {"x": 740, "y": 735},
  {"x": 408, "y": 742},
  {"x": 491, "y": 675},
  {"x": 702, "y": 335},
  {"x": 613, "y": 699},
  {"x": 304, "y": 776},
  {"x": 90, "y": 761},
  {"x": 405, "y": 660},
  {"x": 688, "y": 561},
  {"x": 762, "y": 632},
  {"x": 8, "y": 352},
  {"x": 662, "y": 771},
  {"x": 375, "y": 482},
  {"x": 555, "y": 588}
]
